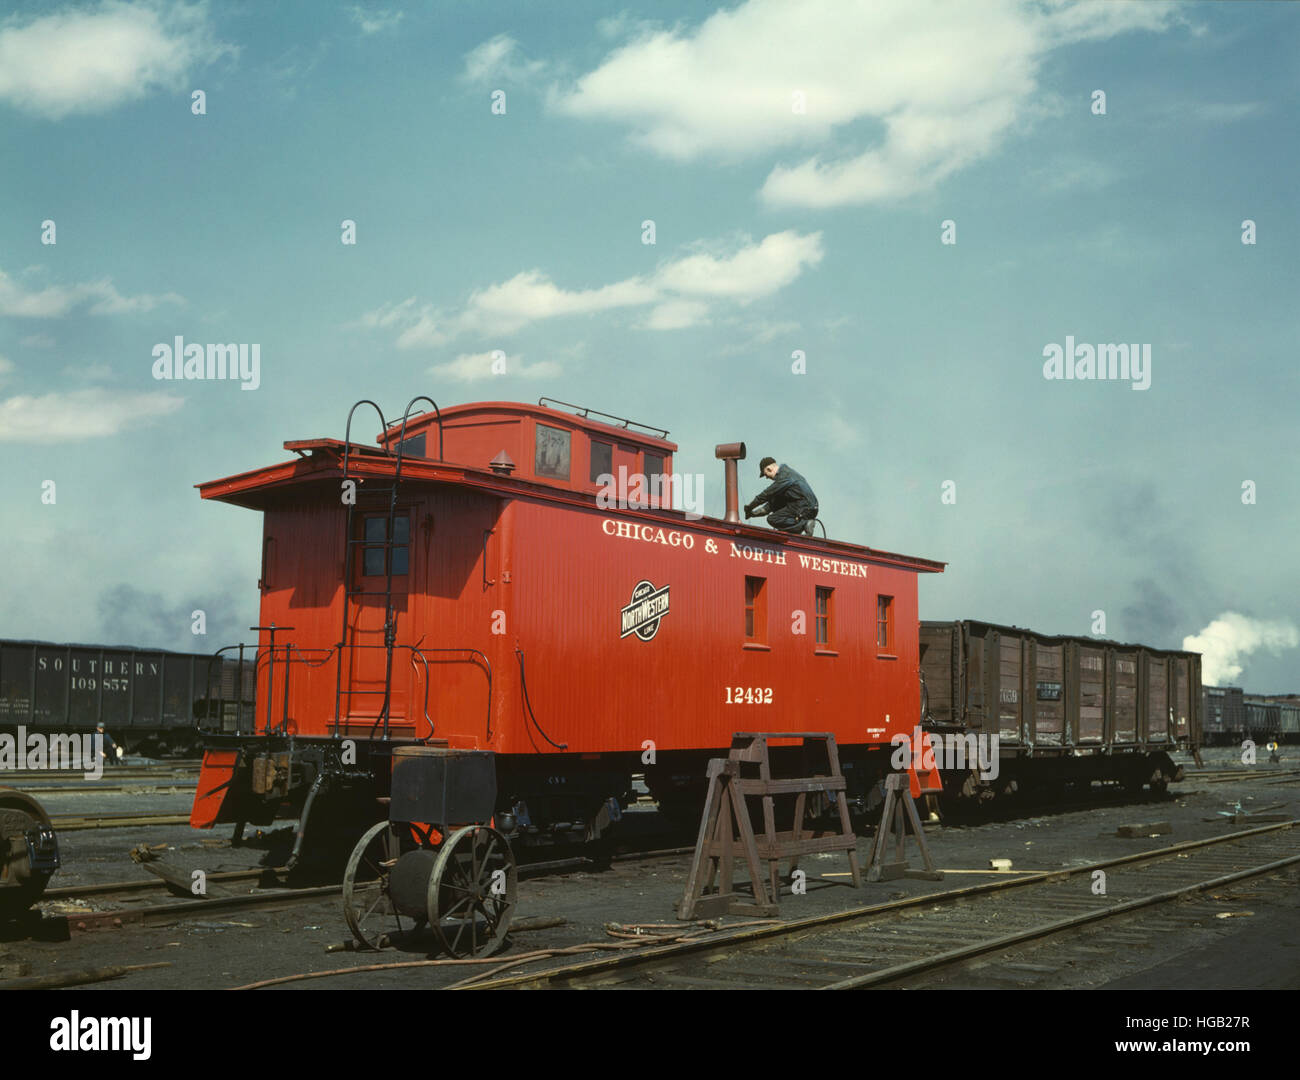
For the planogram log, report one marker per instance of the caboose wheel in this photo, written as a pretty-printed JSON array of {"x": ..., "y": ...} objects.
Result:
[
  {"x": 472, "y": 892},
  {"x": 368, "y": 906}
]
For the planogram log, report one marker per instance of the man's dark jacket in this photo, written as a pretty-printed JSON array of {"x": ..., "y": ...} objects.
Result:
[{"x": 788, "y": 490}]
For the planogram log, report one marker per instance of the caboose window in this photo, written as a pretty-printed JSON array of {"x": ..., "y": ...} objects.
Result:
[
  {"x": 602, "y": 460},
  {"x": 375, "y": 546},
  {"x": 654, "y": 471},
  {"x": 412, "y": 447},
  {"x": 884, "y": 623},
  {"x": 552, "y": 452},
  {"x": 823, "y": 620},
  {"x": 755, "y": 610}
]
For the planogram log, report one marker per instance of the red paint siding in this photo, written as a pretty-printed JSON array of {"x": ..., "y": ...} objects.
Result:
[{"x": 500, "y": 564}]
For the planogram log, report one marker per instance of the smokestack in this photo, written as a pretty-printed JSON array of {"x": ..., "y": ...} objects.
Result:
[{"x": 731, "y": 453}]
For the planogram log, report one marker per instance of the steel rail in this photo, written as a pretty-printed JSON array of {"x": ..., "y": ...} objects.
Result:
[
  {"x": 956, "y": 956},
  {"x": 727, "y": 941}
]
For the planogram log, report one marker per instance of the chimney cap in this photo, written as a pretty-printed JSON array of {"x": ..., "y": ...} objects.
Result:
[
  {"x": 502, "y": 463},
  {"x": 732, "y": 451}
]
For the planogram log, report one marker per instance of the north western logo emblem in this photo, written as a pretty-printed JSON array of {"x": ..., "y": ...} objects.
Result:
[{"x": 644, "y": 612}]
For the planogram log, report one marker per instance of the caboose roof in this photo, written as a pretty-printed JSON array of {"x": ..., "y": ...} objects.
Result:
[
  {"x": 480, "y": 410},
  {"x": 318, "y": 468}
]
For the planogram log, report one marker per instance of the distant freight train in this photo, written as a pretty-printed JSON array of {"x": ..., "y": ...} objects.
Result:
[
  {"x": 149, "y": 701},
  {"x": 1233, "y": 716}
]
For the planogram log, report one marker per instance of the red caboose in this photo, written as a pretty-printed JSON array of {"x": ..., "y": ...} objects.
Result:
[{"x": 473, "y": 582}]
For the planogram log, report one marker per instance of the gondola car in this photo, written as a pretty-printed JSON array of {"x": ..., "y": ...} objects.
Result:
[
  {"x": 513, "y": 580},
  {"x": 1056, "y": 710},
  {"x": 149, "y": 700},
  {"x": 1223, "y": 715}
]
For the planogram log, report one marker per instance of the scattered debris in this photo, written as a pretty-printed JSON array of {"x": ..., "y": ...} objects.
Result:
[
  {"x": 999, "y": 864},
  {"x": 144, "y": 853},
  {"x": 76, "y": 978},
  {"x": 1155, "y": 828}
]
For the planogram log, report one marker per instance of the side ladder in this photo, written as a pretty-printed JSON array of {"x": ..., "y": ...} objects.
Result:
[{"x": 353, "y": 592}]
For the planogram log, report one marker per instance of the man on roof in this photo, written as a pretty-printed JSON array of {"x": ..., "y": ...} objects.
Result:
[{"x": 788, "y": 501}]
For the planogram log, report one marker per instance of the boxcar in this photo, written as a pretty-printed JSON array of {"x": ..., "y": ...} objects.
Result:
[
  {"x": 148, "y": 700},
  {"x": 1057, "y": 709}
]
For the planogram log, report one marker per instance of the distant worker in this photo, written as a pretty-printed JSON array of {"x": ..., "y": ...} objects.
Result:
[
  {"x": 788, "y": 501},
  {"x": 108, "y": 749}
]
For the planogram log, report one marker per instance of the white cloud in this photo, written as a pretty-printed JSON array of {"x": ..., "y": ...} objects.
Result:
[
  {"x": 755, "y": 271},
  {"x": 92, "y": 59},
  {"x": 500, "y": 60},
  {"x": 373, "y": 20},
  {"x": 6, "y": 366},
  {"x": 471, "y": 366},
  {"x": 79, "y": 414},
  {"x": 679, "y": 292},
  {"x": 675, "y": 315},
  {"x": 38, "y": 341},
  {"x": 532, "y": 295},
  {"x": 1230, "y": 638},
  {"x": 98, "y": 297},
  {"x": 929, "y": 87}
]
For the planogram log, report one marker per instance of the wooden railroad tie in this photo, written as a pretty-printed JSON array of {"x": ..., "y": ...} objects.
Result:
[
  {"x": 726, "y": 814},
  {"x": 898, "y": 811}
]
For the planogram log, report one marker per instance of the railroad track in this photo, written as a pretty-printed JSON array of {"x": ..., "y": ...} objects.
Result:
[
  {"x": 1223, "y": 776},
  {"x": 162, "y": 914},
  {"x": 51, "y": 780},
  {"x": 77, "y": 822},
  {"x": 910, "y": 942},
  {"x": 167, "y": 912},
  {"x": 153, "y": 787}
]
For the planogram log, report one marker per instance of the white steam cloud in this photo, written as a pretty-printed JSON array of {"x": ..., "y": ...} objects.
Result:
[{"x": 1230, "y": 638}]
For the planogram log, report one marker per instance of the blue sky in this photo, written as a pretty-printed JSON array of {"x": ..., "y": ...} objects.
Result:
[{"x": 798, "y": 162}]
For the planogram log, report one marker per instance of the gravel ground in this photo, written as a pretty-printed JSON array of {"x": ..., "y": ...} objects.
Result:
[{"x": 231, "y": 949}]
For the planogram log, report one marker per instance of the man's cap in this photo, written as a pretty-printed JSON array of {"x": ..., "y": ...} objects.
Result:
[{"x": 765, "y": 463}]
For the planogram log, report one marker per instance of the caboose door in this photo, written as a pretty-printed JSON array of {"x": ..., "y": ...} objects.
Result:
[{"x": 379, "y": 579}]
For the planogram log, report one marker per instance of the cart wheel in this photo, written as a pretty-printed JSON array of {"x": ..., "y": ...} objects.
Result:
[
  {"x": 367, "y": 907},
  {"x": 20, "y": 885},
  {"x": 472, "y": 892}
]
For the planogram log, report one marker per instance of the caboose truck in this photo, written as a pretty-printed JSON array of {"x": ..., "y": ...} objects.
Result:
[
  {"x": 29, "y": 852},
  {"x": 461, "y": 588}
]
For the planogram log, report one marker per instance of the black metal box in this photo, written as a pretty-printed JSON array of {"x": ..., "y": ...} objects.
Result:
[{"x": 441, "y": 786}]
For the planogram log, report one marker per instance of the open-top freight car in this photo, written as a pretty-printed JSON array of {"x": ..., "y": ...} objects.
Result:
[
  {"x": 148, "y": 700},
  {"x": 1223, "y": 715},
  {"x": 1056, "y": 710},
  {"x": 1289, "y": 708},
  {"x": 512, "y": 580}
]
